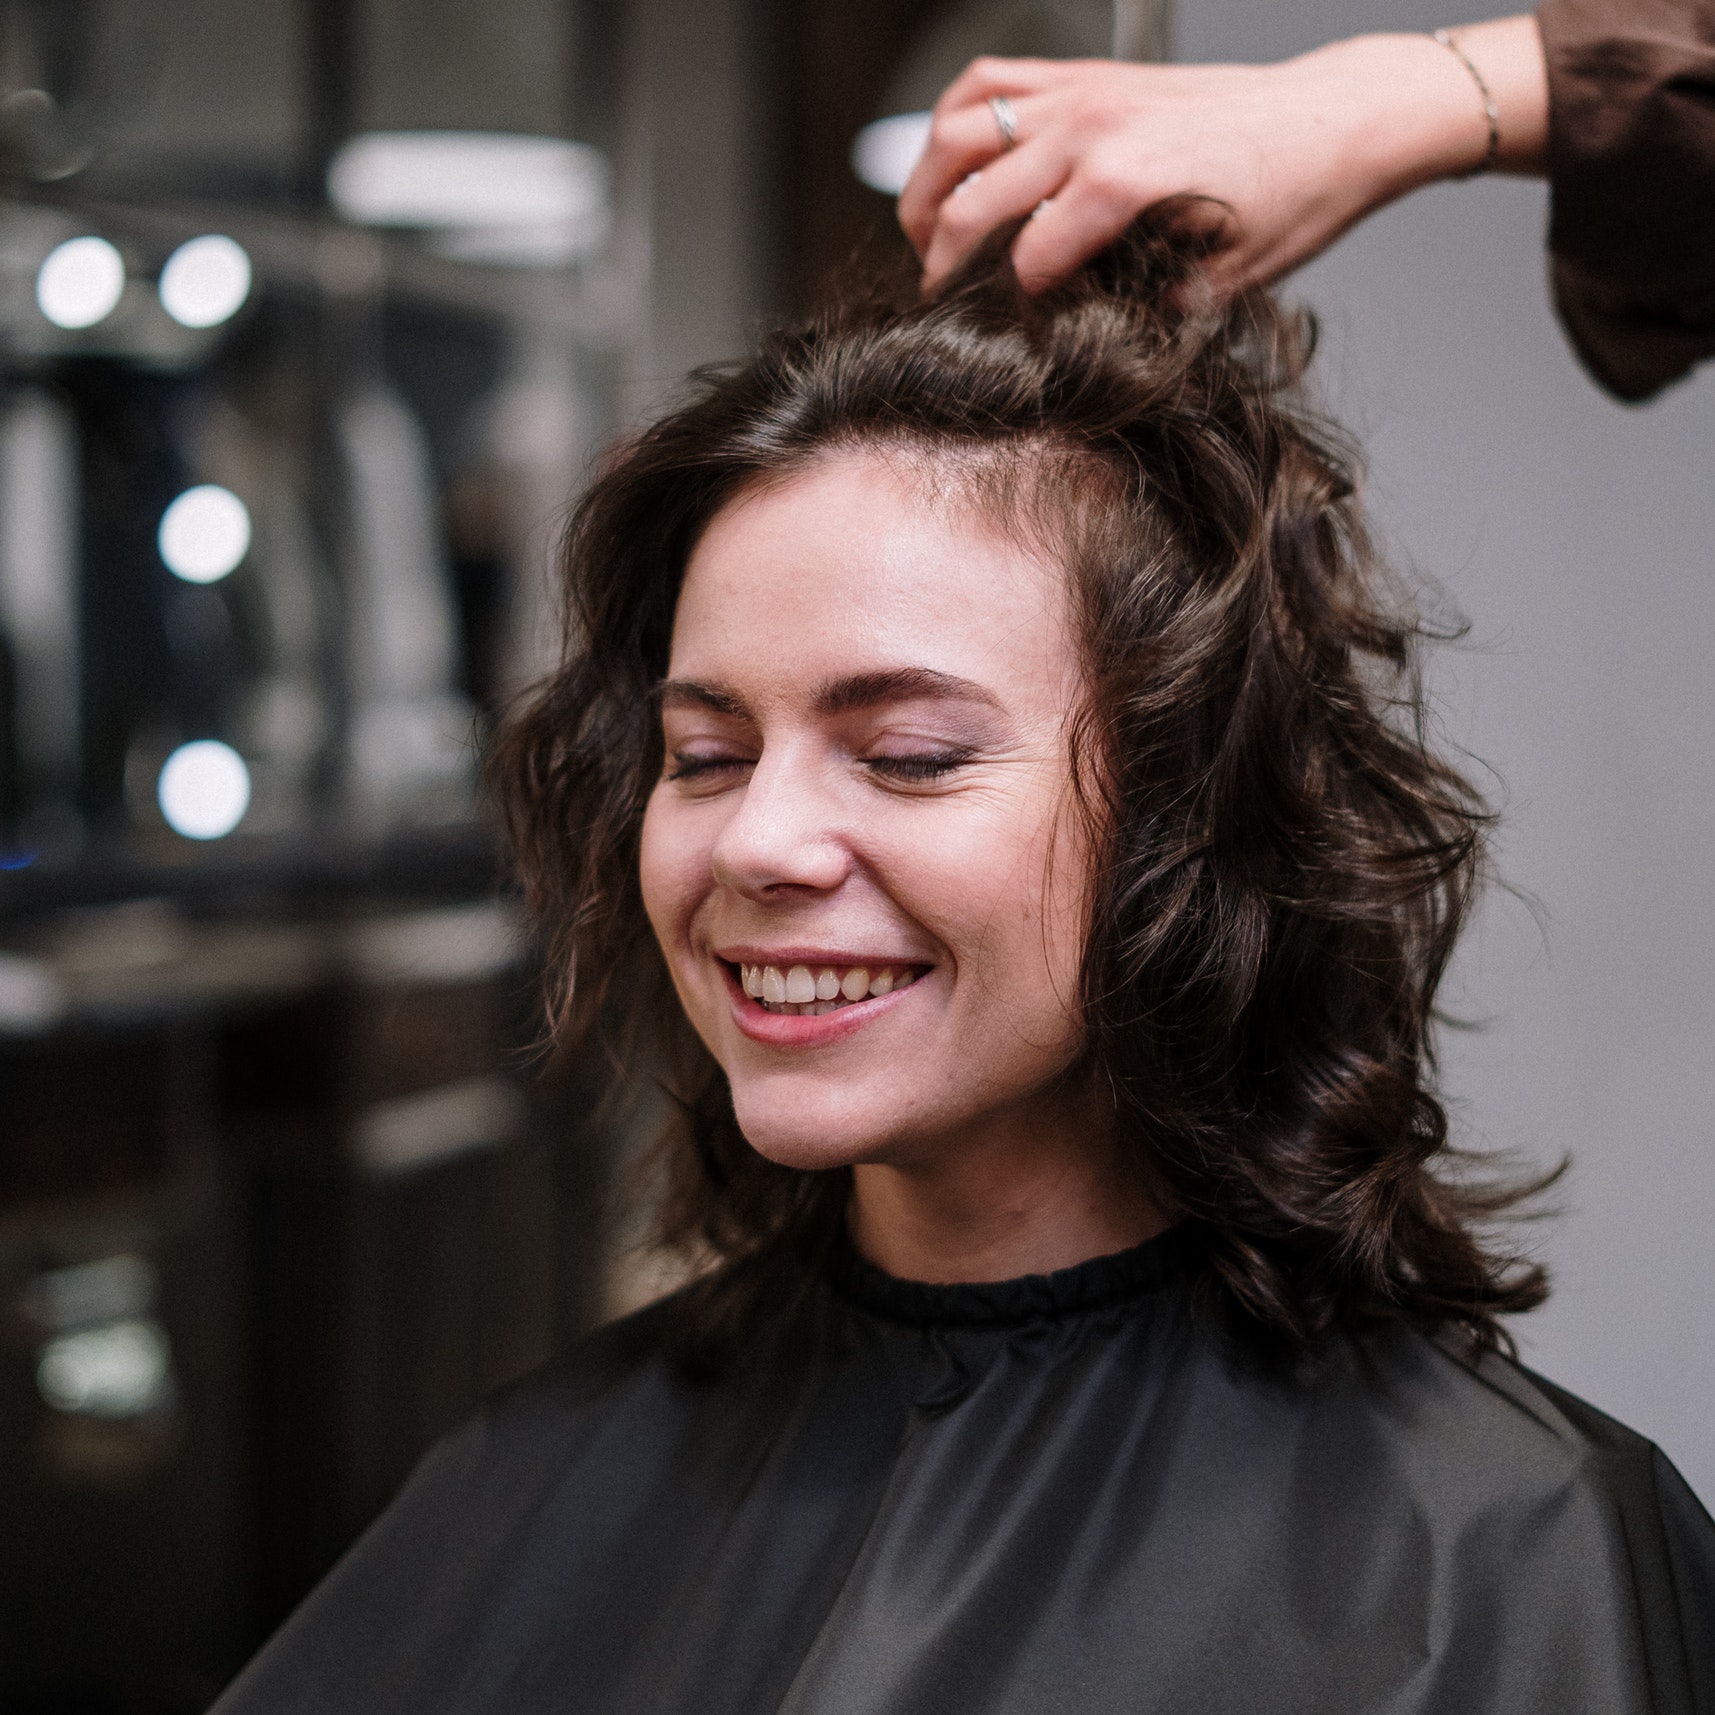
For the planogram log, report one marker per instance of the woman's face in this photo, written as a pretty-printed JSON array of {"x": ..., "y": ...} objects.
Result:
[{"x": 864, "y": 819}]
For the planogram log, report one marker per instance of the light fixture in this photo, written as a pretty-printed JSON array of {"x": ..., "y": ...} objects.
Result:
[
  {"x": 488, "y": 196},
  {"x": 204, "y": 789},
  {"x": 205, "y": 281},
  {"x": 118, "y": 1370},
  {"x": 80, "y": 282},
  {"x": 204, "y": 534},
  {"x": 521, "y": 246},
  {"x": 885, "y": 151}
]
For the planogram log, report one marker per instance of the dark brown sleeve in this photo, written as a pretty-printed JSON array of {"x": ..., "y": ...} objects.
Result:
[{"x": 1631, "y": 163}]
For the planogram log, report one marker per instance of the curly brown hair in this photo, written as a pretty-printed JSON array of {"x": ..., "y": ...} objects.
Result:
[{"x": 1284, "y": 863}]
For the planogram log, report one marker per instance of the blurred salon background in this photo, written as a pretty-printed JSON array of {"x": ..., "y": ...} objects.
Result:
[{"x": 312, "y": 313}]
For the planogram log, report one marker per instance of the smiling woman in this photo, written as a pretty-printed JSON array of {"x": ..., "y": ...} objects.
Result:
[
  {"x": 987, "y": 768},
  {"x": 1175, "y": 871},
  {"x": 852, "y": 784}
]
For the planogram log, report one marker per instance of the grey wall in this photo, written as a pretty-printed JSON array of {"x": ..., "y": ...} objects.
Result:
[
  {"x": 699, "y": 195},
  {"x": 427, "y": 64},
  {"x": 1577, "y": 537}
]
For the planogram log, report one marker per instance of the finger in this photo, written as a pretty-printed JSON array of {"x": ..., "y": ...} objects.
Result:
[
  {"x": 1008, "y": 189},
  {"x": 1079, "y": 222},
  {"x": 963, "y": 134},
  {"x": 961, "y": 141},
  {"x": 991, "y": 75}
]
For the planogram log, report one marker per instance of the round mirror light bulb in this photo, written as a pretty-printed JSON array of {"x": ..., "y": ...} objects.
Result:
[
  {"x": 115, "y": 1370},
  {"x": 205, "y": 281},
  {"x": 80, "y": 282},
  {"x": 204, "y": 534},
  {"x": 885, "y": 152},
  {"x": 204, "y": 789}
]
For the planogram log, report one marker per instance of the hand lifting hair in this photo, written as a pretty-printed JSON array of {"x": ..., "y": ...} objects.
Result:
[{"x": 988, "y": 770}]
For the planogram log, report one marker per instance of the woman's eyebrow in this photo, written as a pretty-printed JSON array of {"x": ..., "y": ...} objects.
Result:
[
  {"x": 693, "y": 693},
  {"x": 838, "y": 696},
  {"x": 898, "y": 685}
]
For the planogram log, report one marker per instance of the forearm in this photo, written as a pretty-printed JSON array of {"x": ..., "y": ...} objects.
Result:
[
  {"x": 1508, "y": 52},
  {"x": 1414, "y": 112}
]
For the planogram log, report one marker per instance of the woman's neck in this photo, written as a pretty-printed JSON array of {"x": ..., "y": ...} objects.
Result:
[{"x": 1025, "y": 1198}]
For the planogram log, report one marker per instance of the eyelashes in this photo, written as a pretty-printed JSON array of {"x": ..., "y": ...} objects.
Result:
[
  {"x": 917, "y": 768},
  {"x": 913, "y": 770},
  {"x": 683, "y": 767}
]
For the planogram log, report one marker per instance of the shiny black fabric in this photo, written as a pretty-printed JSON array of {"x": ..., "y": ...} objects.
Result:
[{"x": 1058, "y": 1494}]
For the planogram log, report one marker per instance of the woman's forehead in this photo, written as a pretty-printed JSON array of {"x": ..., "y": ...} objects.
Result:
[{"x": 856, "y": 560}]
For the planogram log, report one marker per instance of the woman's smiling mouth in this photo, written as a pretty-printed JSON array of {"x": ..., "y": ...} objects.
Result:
[
  {"x": 841, "y": 996},
  {"x": 811, "y": 990}
]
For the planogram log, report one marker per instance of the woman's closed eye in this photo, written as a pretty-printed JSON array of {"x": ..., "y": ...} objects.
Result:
[
  {"x": 690, "y": 765},
  {"x": 915, "y": 768},
  {"x": 918, "y": 767}
]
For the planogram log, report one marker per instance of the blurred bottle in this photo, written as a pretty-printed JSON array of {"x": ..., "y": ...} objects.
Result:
[
  {"x": 39, "y": 618},
  {"x": 412, "y": 739},
  {"x": 536, "y": 440}
]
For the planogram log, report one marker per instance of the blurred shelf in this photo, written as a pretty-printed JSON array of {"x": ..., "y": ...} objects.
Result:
[{"x": 298, "y": 871}]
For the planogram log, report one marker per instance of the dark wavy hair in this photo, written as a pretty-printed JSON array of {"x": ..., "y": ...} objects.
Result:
[{"x": 1283, "y": 861}]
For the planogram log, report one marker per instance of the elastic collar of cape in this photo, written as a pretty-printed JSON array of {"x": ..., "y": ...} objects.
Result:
[{"x": 1092, "y": 1285}]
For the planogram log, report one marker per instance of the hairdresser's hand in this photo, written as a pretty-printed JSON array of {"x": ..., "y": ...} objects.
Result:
[{"x": 1290, "y": 155}]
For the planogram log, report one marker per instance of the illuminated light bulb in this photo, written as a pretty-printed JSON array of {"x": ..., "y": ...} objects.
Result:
[
  {"x": 204, "y": 790},
  {"x": 468, "y": 179},
  {"x": 884, "y": 153},
  {"x": 204, "y": 534},
  {"x": 119, "y": 1370},
  {"x": 80, "y": 282},
  {"x": 205, "y": 281}
]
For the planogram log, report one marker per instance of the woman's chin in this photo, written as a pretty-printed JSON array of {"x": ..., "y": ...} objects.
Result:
[
  {"x": 809, "y": 1141},
  {"x": 809, "y": 1152}
]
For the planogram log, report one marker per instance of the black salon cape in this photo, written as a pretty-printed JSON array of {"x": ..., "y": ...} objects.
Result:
[{"x": 1059, "y": 1494}]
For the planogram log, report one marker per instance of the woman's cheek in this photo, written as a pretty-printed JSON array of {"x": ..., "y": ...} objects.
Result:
[{"x": 664, "y": 872}]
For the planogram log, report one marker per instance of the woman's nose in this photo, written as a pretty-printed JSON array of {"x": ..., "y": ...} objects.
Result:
[{"x": 783, "y": 832}]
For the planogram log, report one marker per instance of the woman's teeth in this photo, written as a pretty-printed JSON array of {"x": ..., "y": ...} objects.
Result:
[{"x": 803, "y": 990}]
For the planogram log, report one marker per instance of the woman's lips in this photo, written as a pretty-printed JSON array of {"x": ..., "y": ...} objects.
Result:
[{"x": 805, "y": 1030}]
